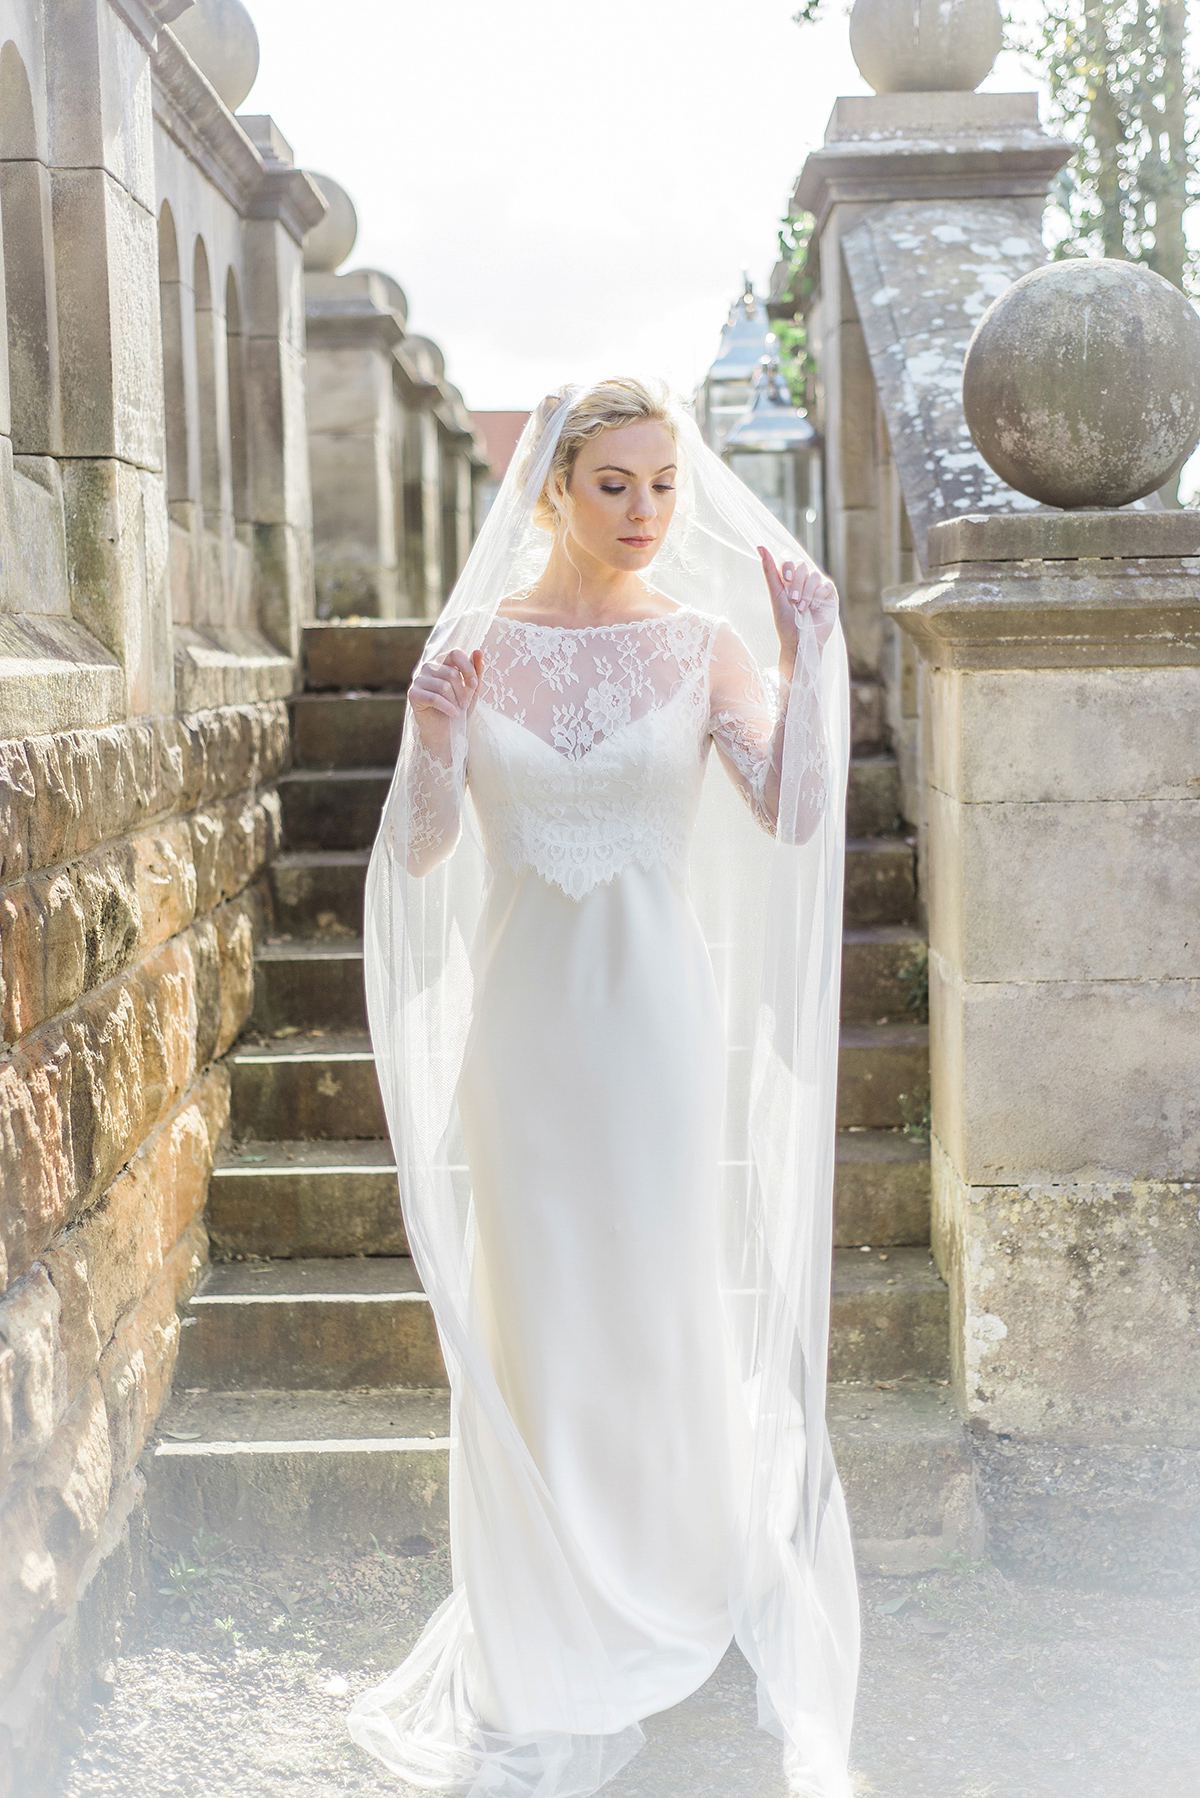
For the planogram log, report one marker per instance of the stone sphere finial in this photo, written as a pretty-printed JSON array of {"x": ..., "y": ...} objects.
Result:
[
  {"x": 220, "y": 38},
  {"x": 328, "y": 244},
  {"x": 1081, "y": 384},
  {"x": 925, "y": 46}
]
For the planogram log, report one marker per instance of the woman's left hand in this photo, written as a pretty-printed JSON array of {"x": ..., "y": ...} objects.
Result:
[{"x": 795, "y": 589}]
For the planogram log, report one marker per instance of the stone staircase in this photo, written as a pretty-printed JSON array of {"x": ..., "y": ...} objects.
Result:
[{"x": 310, "y": 1402}]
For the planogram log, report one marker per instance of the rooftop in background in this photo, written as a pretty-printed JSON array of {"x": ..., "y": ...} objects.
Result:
[{"x": 501, "y": 432}]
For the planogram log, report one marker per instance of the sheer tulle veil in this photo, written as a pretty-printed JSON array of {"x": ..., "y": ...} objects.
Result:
[{"x": 771, "y": 911}]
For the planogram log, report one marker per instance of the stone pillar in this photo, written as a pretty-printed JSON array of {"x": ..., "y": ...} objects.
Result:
[
  {"x": 927, "y": 204},
  {"x": 355, "y": 322},
  {"x": 419, "y": 371},
  {"x": 1061, "y": 689},
  {"x": 108, "y": 341},
  {"x": 285, "y": 207}
]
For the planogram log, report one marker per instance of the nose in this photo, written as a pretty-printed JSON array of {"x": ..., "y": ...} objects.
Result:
[{"x": 641, "y": 504}]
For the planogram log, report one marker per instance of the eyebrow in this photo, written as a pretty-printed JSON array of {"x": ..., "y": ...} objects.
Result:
[{"x": 612, "y": 468}]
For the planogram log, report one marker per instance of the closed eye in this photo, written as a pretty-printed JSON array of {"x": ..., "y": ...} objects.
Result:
[{"x": 664, "y": 487}]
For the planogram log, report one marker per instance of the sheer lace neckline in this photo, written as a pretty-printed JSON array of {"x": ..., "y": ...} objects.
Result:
[{"x": 596, "y": 630}]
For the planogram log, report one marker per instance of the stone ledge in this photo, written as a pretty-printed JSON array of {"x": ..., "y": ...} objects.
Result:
[
  {"x": 1064, "y": 536},
  {"x": 55, "y": 676},
  {"x": 1127, "y": 613},
  {"x": 216, "y": 667}
]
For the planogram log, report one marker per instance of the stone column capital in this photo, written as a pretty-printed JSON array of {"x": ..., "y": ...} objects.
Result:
[
  {"x": 1058, "y": 590},
  {"x": 936, "y": 146}
]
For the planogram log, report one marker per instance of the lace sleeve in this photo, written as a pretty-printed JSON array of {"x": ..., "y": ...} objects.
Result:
[
  {"x": 769, "y": 736},
  {"x": 434, "y": 792}
]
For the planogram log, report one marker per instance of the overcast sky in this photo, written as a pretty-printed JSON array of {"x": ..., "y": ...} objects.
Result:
[{"x": 564, "y": 190}]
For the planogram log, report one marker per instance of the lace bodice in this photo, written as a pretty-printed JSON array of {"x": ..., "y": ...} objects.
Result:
[{"x": 586, "y": 748}]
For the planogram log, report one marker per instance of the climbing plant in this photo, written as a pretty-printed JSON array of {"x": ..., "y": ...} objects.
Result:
[
  {"x": 1118, "y": 74},
  {"x": 794, "y": 283}
]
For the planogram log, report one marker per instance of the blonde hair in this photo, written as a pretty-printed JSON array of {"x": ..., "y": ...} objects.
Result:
[{"x": 604, "y": 407}]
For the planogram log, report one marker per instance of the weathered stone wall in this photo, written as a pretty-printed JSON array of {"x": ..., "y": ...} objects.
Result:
[
  {"x": 129, "y": 862},
  {"x": 155, "y": 570}
]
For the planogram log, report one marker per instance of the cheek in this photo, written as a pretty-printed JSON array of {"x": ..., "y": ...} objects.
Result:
[{"x": 594, "y": 513}]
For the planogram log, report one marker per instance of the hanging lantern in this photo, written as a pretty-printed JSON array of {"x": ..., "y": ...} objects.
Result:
[{"x": 777, "y": 452}]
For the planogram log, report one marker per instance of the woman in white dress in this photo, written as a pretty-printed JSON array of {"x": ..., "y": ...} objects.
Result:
[{"x": 623, "y": 1277}]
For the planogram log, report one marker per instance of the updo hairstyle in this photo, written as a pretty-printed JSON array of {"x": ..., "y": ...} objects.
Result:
[{"x": 604, "y": 407}]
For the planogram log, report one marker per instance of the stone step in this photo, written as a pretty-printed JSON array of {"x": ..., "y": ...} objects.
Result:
[
  {"x": 333, "y": 809},
  {"x": 889, "y": 1316},
  {"x": 317, "y": 1088},
  {"x": 319, "y": 891},
  {"x": 342, "y": 1198},
  {"x": 881, "y": 881},
  {"x": 346, "y": 730},
  {"x": 340, "y": 808},
  {"x": 875, "y": 963},
  {"x": 377, "y": 653},
  {"x": 906, "y": 1465},
  {"x": 877, "y": 1064},
  {"x": 873, "y": 796},
  {"x": 350, "y": 1468},
  {"x": 881, "y": 1189},
  {"x": 309, "y": 1199},
  {"x": 337, "y": 1324},
  {"x": 305, "y": 1467},
  {"x": 326, "y": 1324},
  {"x": 324, "y": 1087},
  {"x": 313, "y": 983}
]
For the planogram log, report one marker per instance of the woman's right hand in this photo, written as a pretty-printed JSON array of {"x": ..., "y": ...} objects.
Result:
[{"x": 443, "y": 693}]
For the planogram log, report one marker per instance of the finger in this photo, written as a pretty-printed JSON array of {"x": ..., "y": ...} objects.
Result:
[
  {"x": 435, "y": 688},
  {"x": 461, "y": 662},
  {"x": 433, "y": 702},
  {"x": 774, "y": 579}
]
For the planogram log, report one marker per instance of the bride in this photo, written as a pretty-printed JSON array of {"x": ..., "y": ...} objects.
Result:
[{"x": 603, "y": 992}]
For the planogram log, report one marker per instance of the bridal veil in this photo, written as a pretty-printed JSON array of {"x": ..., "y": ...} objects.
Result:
[{"x": 771, "y": 910}]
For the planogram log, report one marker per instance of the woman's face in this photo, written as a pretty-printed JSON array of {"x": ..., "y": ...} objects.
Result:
[{"x": 622, "y": 494}]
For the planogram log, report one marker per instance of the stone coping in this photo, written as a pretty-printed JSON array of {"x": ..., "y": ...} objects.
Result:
[
  {"x": 220, "y": 666},
  {"x": 255, "y": 181},
  {"x": 1049, "y": 536},
  {"x": 1126, "y": 613},
  {"x": 932, "y": 117},
  {"x": 55, "y": 676},
  {"x": 929, "y": 146}
]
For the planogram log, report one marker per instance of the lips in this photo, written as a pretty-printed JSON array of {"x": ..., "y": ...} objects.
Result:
[{"x": 638, "y": 542}]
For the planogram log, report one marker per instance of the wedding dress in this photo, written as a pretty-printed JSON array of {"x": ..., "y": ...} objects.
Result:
[{"x": 621, "y": 1273}]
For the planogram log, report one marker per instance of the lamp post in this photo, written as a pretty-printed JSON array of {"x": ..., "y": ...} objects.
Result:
[{"x": 777, "y": 452}]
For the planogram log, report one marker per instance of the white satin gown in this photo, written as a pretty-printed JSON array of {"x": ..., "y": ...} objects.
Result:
[{"x": 591, "y": 1103}]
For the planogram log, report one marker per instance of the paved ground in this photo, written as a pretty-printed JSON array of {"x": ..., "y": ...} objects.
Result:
[{"x": 973, "y": 1687}]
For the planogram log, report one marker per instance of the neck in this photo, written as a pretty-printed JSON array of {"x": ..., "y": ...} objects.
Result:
[{"x": 575, "y": 585}]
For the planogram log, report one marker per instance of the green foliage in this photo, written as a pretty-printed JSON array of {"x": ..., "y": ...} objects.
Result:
[
  {"x": 1120, "y": 75},
  {"x": 188, "y": 1575},
  {"x": 809, "y": 13},
  {"x": 914, "y": 983},
  {"x": 917, "y": 1111},
  {"x": 795, "y": 362}
]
